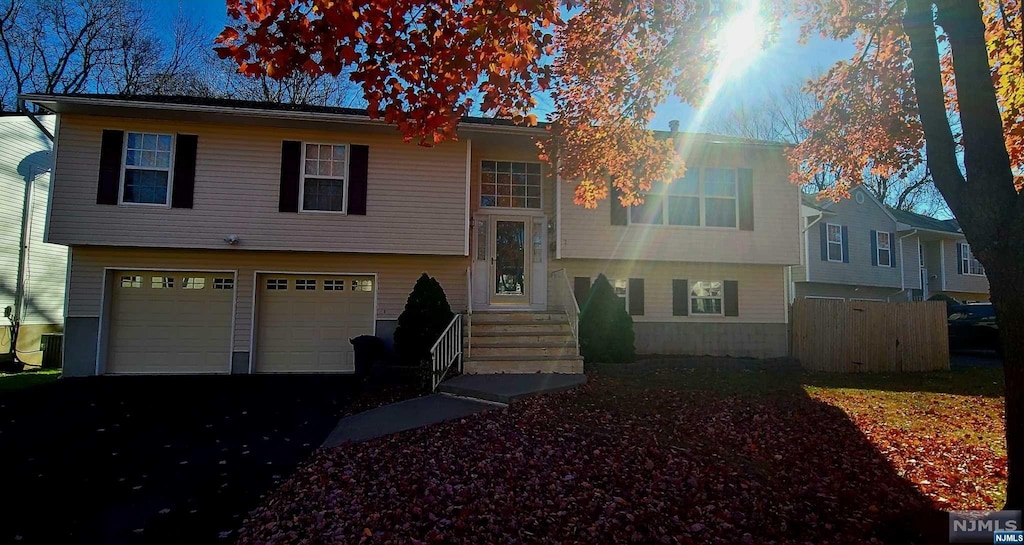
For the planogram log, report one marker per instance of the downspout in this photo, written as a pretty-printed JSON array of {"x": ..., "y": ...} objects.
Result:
[{"x": 903, "y": 278}]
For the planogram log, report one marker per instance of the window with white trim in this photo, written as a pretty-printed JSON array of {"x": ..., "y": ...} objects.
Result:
[
  {"x": 510, "y": 184},
  {"x": 324, "y": 177},
  {"x": 193, "y": 283},
  {"x": 883, "y": 247},
  {"x": 147, "y": 168},
  {"x": 704, "y": 197},
  {"x": 223, "y": 283},
  {"x": 968, "y": 262},
  {"x": 835, "y": 241},
  {"x": 706, "y": 297},
  {"x": 162, "y": 282}
]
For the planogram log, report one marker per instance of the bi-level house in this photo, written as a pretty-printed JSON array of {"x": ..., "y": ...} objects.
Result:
[
  {"x": 221, "y": 236},
  {"x": 860, "y": 249}
]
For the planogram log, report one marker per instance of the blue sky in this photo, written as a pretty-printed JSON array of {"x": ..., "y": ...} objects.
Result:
[{"x": 783, "y": 64}]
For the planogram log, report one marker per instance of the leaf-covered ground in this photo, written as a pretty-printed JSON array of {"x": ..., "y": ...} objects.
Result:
[{"x": 685, "y": 456}]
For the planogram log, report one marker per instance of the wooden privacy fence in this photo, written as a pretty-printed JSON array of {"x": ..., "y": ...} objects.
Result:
[{"x": 865, "y": 336}]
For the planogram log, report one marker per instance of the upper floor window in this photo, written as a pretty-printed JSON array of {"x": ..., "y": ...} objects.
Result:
[
  {"x": 147, "y": 168},
  {"x": 510, "y": 184},
  {"x": 835, "y": 242},
  {"x": 709, "y": 201},
  {"x": 968, "y": 263},
  {"x": 324, "y": 177},
  {"x": 883, "y": 245}
]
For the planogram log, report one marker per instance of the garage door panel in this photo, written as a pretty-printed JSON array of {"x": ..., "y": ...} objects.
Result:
[
  {"x": 169, "y": 328},
  {"x": 308, "y": 330}
]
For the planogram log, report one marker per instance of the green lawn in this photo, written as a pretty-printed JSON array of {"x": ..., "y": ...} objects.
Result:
[{"x": 17, "y": 381}]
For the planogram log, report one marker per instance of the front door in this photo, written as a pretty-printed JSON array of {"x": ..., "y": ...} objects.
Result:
[{"x": 509, "y": 260}]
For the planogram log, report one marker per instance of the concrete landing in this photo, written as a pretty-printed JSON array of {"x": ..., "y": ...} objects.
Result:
[
  {"x": 402, "y": 416},
  {"x": 506, "y": 388}
]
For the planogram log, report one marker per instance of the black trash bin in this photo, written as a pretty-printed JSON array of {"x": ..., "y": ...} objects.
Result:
[{"x": 369, "y": 350}]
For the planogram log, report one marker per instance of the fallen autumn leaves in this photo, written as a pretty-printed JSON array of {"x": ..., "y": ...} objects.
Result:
[{"x": 610, "y": 463}]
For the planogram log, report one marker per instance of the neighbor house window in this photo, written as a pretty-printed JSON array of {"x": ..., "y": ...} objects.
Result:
[
  {"x": 692, "y": 200},
  {"x": 706, "y": 297},
  {"x": 324, "y": 177},
  {"x": 193, "y": 283},
  {"x": 968, "y": 262},
  {"x": 884, "y": 245},
  {"x": 835, "y": 242},
  {"x": 147, "y": 168},
  {"x": 510, "y": 184}
]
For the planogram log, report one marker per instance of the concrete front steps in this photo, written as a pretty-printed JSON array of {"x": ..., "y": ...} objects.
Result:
[{"x": 520, "y": 342}]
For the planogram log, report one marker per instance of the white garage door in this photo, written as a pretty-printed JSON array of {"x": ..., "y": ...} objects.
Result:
[
  {"x": 170, "y": 322},
  {"x": 305, "y": 322}
]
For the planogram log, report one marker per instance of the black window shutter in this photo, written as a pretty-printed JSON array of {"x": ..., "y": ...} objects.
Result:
[
  {"x": 581, "y": 289},
  {"x": 636, "y": 296},
  {"x": 619, "y": 212},
  {"x": 732, "y": 297},
  {"x": 892, "y": 250},
  {"x": 874, "y": 248},
  {"x": 110, "y": 167},
  {"x": 746, "y": 196},
  {"x": 291, "y": 165},
  {"x": 680, "y": 298},
  {"x": 845, "y": 233},
  {"x": 823, "y": 236},
  {"x": 184, "y": 171},
  {"x": 959, "y": 258},
  {"x": 358, "y": 166}
]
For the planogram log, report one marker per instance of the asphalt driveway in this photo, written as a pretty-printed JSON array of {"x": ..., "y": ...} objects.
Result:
[{"x": 120, "y": 460}]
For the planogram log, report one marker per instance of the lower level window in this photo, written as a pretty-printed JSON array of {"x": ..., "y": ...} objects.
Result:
[{"x": 706, "y": 297}]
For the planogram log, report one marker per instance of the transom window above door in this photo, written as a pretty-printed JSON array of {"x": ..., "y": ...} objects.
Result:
[
  {"x": 324, "y": 177},
  {"x": 510, "y": 184},
  {"x": 147, "y": 168}
]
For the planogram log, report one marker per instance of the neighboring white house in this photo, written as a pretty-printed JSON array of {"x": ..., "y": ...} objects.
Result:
[
  {"x": 32, "y": 272},
  {"x": 859, "y": 249},
  {"x": 216, "y": 236}
]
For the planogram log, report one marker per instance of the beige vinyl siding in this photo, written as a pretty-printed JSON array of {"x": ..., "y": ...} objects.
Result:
[
  {"x": 911, "y": 263},
  {"x": 396, "y": 275},
  {"x": 964, "y": 283},
  {"x": 860, "y": 220},
  {"x": 25, "y": 151},
  {"x": 774, "y": 240},
  {"x": 761, "y": 293},
  {"x": 238, "y": 169}
]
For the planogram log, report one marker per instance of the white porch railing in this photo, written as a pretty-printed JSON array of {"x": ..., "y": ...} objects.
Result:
[
  {"x": 563, "y": 296},
  {"x": 446, "y": 352}
]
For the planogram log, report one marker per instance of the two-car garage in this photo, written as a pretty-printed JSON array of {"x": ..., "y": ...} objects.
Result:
[{"x": 183, "y": 322}]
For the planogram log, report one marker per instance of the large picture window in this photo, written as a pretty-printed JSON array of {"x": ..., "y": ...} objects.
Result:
[
  {"x": 703, "y": 197},
  {"x": 147, "y": 168},
  {"x": 510, "y": 184},
  {"x": 324, "y": 177}
]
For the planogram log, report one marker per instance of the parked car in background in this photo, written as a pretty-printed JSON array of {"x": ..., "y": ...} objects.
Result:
[{"x": 973, "y": 326}]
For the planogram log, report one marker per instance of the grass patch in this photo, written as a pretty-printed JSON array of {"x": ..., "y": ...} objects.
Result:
[{"x": 17, "y": 381}]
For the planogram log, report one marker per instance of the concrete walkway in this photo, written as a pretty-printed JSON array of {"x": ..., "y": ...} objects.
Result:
[{"x": 461, "y": 397}]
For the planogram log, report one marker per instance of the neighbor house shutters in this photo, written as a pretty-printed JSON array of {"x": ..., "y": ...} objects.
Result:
[
  {"x": 619, "y": 212},
  {"x": 291, "y": 163},
  {"x": 959, "y": 258},
  {"x": 680, "y": 297},
  {"x": 823, "y": 238},
  {"x": 745, "y": 177},
  {"x": 184, "y": 183},
  {"x": 111, "y": 148},
  {"x": 358, "y": 165},
  {"x": 730, "y": 289},
  {"x": 846, "y": 245},
  {"x": 581, "y": 289},
  {"x": 892, "y": 250},
  {"x": 636, "y": 296},
  {"x": 874, "y": 248}
]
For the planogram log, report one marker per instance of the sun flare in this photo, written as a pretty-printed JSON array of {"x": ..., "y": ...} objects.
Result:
[{"x": 740, "y": 41}]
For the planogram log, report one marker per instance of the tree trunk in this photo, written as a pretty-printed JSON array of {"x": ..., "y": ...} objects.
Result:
[{"x": 1006, "y": 285}]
